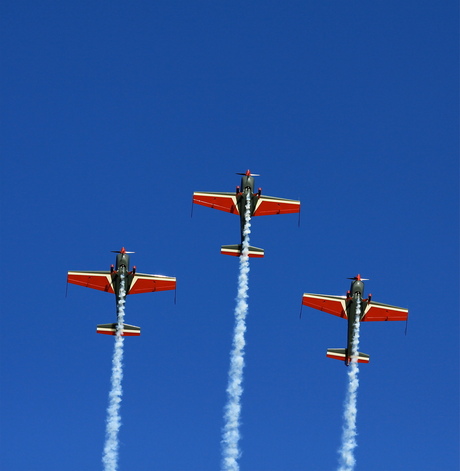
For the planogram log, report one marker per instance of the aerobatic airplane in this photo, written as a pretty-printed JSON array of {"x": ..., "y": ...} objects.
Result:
[
  {"x": 346, "y": 308},
  {"x": 110, "y": 282},
  {"x": 235, "y": 203}
]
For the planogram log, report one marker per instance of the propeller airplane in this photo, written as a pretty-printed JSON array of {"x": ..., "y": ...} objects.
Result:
[
  {"x": 110, "y": 282},
  {"x": 235, "y": 203},
  {"x": 348, "y": 307}
]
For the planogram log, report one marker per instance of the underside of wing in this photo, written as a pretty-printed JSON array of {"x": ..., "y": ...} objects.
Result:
[
  {"x": 384, "y": 312},
  {"x": 268, "y": 205},
  {"x": 335, "y": 305},
  {"x": 143, "y": 283},
  {"x": 101, "y": 280},
  {"x": 223, "y": 201}
]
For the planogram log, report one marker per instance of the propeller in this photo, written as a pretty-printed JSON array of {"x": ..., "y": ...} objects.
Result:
[
  {"x": 123, "y": 250},
  {"x": 358, "y": 278},
  {"x": 249, "y": 174}
]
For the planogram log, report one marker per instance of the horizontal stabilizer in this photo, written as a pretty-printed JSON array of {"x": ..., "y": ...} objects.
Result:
[
  {"x": 341, "y": 354},
  {"x": 237, "y": 250},
  {"x": 111, "y": 329}
]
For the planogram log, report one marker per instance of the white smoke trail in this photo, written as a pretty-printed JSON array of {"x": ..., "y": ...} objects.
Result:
[
  {"x": 349, "y": 429},
  {"x": 231, "y": 433},
  {"x": 110, "y": 457}
]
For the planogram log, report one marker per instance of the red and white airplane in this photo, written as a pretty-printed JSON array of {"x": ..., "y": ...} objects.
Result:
[
  {"x": 110, "y": 282},
  {"x": 235, "y": 203},
  {"x": 346, "y": 307}
]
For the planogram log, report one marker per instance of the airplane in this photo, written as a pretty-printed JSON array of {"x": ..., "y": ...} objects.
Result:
[
  {"x": 346, "y": 307},
  {"x": 110, "y": 282},
  {"x": 235, "y": 203}
]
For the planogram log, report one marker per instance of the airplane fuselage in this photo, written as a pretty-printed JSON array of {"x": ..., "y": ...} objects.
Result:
[
  {"x": 356, "y": 299},
  {"x": 246, "y": 188},
  {"x": 121, "y": 268},
  {"x": 122, "y": 263}
]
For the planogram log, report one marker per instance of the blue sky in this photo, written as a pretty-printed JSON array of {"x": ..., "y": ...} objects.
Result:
[{"x": 113, "y": 113}]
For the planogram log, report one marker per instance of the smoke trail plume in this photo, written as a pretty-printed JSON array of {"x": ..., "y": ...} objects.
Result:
[
  {"x": 110, "y": 457},
  {"x": 346, "y": 451},
  {"x": 231, "y": 433}
]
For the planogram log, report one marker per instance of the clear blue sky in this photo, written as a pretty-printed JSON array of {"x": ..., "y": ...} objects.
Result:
[{"x": 113, "y": 113}]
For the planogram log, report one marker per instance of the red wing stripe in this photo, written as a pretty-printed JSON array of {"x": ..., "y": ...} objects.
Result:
[
  {"x": 269, "y": 205},
  {"x": 101, "y": 281},
  {"x": 223, "y": 201},
  {"x": 335, "y": 305},
  {"x": 143, "y": 283},
  {"x": 336, "y": 356},
  {"x": 384, "y": 312}
]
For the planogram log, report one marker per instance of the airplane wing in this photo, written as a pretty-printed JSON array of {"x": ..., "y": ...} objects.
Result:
[
  {"x": 268, "y": 205},
  {"x": 101, "y": 280},
  {"x": 223, "y": 201},
  {"x": 143, "y": 283},
  {"x": 335, "y": 305},
  {"x": 384, "y": 312}
]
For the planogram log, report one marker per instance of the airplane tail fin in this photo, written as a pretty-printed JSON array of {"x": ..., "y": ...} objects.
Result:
[
  {"x": 341, "y": 354},
  {"x": 237, "y": 250},
  {"x": 111, "y": 329}
]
